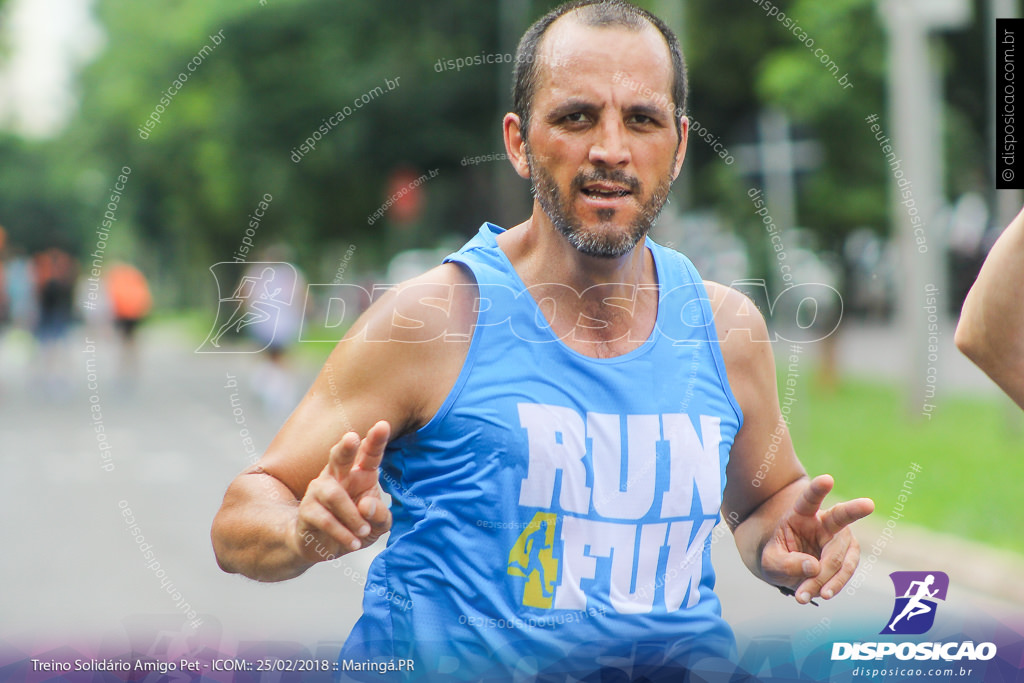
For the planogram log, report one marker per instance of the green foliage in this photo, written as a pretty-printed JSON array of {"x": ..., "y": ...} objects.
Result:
[
  {"x": 228, "y": 135},
  {"x": 850, "y": 189},
  {"x": 724, "y": 44},
  {"x": 768, "y": 65},
  {"x": 759, "y": 62},
  {"x": 38, "y": 206},
  {"x": 969, "y": 457}
]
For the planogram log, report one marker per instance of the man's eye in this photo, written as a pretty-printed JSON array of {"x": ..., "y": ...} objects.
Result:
[
  {"x": 642, "y": 119},
  {"x": 576, "y": 117}
]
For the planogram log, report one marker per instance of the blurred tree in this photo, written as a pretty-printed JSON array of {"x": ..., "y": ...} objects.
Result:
[
  {"x": 850, "y": 190},
  {"x": 769, "y": 65},
  {"x": 852, "y": 187},
  {"x": 231, "y": 133},
  {"x": 967, "y": 62},
  {"x": 36, "y": 209}
]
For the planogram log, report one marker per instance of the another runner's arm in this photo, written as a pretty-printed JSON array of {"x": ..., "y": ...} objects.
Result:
[
  {"x": 314, "y": 493},
  {"x": 991, "y": 327},
  {"x": 781, "y": 532}
]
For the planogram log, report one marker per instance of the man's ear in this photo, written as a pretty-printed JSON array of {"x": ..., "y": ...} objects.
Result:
[
  {"x": 684, "y": 134},
  {"x": 515, "y": 144}
]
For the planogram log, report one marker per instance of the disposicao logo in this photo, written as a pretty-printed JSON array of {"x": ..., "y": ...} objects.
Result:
[
  {"x": 917, "y": 594},
  {"x": 913, "y": 613}
]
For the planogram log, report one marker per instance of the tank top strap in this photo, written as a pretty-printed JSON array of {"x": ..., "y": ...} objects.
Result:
[{"x": 482, "y": 256}]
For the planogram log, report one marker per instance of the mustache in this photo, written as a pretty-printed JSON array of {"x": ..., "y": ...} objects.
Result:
[{"x": 602, "y": 174}]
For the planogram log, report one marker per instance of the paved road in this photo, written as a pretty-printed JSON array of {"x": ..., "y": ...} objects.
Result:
[
  {"x": 175, "y": 444},
  {"x": 74, "y": 574}
]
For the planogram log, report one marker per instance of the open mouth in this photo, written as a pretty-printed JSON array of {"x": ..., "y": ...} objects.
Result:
[{"x": 601, "y": 192}]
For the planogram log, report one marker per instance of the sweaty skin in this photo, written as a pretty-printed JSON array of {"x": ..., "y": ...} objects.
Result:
[{"x": 313, "y": 495}]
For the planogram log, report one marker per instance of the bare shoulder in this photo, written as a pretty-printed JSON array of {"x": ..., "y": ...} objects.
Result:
[
  {"x": 405, "y": 352},
  {"x": 438, "y": 305},
  {"x": 737, "y": 319}
]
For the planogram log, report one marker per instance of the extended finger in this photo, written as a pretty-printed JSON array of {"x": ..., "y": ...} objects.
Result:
[
  {"x": 363, "y": 475},
  {"x": 371, "y": 450},
  {"x": 810, "y": 501},
  {"x": 342, "y": 454},
  {"x": 839, "y": 516}
]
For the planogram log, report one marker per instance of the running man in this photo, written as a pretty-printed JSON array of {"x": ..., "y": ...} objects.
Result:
[
  {"x": 915, "y": 605},
  {"x": 566, "y": 369}
]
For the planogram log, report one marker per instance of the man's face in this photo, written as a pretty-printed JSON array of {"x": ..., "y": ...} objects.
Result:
[{"x": 602, "y": 143}]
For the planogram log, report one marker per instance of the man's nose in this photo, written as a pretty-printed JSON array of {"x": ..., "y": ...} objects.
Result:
[{"x": 611, "y": 148}]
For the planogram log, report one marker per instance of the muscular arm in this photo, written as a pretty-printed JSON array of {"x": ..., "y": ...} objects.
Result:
[
  {"x": 313, "y": 495},
  {"x": 769, "y": 502},
  {"x": 991, "y": 327}
]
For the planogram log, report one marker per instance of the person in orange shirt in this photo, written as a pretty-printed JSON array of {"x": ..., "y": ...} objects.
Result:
[{"x": 130, "y": 302}]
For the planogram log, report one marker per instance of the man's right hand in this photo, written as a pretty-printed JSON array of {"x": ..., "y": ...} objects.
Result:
[
  {"x": 342, "y": 509},
  {"x": 287, "y": 512}
]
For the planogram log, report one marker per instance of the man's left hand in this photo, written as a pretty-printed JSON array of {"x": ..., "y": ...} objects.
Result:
[{"x": 812, "y": 551}]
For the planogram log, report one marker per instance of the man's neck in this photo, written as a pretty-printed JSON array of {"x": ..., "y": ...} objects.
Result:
[
  {"x": 602, "y": 307},
  {"x": 541, "y": 254}
]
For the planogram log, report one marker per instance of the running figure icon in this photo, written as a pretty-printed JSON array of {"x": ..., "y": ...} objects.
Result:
[
  {"x": 246, "y": 293},
  {"x": 257, "y": 299},
  {"x": 536, "y": 542},
  {"x": 917, "y": 594},
  {"x": 915, "y": 605}
]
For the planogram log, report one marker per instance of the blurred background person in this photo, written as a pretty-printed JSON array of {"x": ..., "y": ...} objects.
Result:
[
  {"x": 5, "y": 302},
  {"x": 18, "y": 316},
  {"x": 130, "y": 302},
  {"x": 20, "y": 289},
  {"x": 54, "y": 272},
  {"x": 277, "y": 309}
]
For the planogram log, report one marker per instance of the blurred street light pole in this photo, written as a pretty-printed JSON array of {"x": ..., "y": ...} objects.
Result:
[
  {"x": 915, "y": 107},
  {"x": 776, "y": 159}
]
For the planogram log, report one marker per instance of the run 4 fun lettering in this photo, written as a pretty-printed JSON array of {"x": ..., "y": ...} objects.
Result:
[{"x": 615, "y": 517}]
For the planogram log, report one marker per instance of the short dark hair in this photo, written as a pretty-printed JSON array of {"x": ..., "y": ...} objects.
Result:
[{"x": 598, "y": 13}]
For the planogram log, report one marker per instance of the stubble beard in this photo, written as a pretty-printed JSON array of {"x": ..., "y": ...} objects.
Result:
[{"x": 606, "y": 239}]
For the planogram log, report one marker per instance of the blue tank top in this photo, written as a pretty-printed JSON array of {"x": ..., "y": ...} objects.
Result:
[{"x": 558, "y": 508}]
